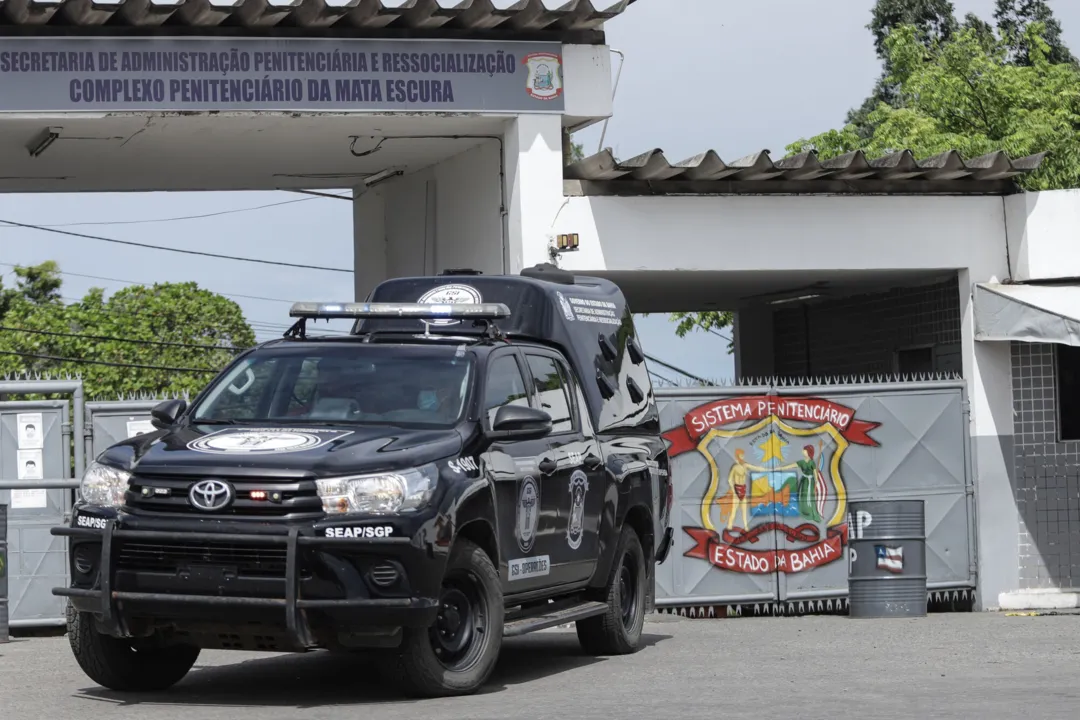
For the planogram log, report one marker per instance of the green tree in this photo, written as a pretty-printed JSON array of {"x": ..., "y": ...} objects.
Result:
[
  {"x": 1014, "y": 17},
  {"x": 167, "y": 325},
  {"x": 36, "y": 284},
  {"x": 966, "y": 95},
  {"x": 934, "y": 21}
]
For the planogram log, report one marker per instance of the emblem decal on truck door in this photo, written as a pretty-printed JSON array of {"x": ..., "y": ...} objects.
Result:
[
  {"x": 575, "y": 531},
  {"x": 528, "y": 513}
]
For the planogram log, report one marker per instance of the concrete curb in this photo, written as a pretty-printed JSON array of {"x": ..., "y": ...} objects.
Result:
[{"x": 1063, "y": 599}]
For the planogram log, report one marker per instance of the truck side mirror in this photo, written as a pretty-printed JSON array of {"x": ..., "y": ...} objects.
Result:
[
  {"x": 520, "y": 422},
  {"x": 164, "y": 414}
]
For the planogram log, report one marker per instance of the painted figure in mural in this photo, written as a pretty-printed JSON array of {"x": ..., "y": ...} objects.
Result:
[
  {"x": 811, "y": 489},
  {"x": 739, "y": 488},
  {"x": 544, "y": 79}
]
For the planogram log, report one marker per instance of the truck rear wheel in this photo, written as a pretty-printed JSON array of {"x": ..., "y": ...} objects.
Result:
[
  {"x": 127, "y": 665},
  {"x": 618, "y": 631},
  {"x": 456, "y": 655}
]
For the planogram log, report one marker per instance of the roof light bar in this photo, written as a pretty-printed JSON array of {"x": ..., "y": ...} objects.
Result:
[{"x": 418, "y": 311}]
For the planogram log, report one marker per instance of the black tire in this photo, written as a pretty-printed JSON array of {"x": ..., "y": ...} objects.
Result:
[
  {"x": 618, "y": 631},
  {"x": 135, "y": 665},
  {"x": 429, "y": 662}
]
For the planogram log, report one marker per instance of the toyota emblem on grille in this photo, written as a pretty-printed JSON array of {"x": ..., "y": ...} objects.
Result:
[{"x": 210, "y": 495}]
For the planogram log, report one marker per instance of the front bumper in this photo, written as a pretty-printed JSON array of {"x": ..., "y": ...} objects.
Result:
[{"x": 116, "y": 595}]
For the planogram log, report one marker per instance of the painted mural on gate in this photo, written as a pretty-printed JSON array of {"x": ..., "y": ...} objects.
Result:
[{"x": 775, "y": 472}]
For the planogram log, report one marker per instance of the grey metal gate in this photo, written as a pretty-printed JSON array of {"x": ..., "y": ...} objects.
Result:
[
  {"x": 109, "y": 422},
  {"x": 801, "y": 455},
  {"x": 35, "y": 445}
]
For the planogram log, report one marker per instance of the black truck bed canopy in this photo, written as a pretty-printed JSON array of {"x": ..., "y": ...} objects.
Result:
[{"x": 587, "y": 318}]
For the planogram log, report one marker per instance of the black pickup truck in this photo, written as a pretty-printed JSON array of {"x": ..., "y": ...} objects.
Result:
[{"x": 478, "y": 459}]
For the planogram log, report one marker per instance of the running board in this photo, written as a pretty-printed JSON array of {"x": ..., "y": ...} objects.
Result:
[{"x": 514, "y": 628}]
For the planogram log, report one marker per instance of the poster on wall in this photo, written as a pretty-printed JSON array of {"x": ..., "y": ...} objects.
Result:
[
  {"x": 31, "y": 433},
  {"x": 29, "y": 465},
  {"x": 139, "y": 427},
  {"x": 775, "y": 466}
]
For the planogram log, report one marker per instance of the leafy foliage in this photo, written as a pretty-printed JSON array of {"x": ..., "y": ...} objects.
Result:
[
  {"x": 966, "y": 94},
  {"x": 935, "y": 25},
  {"x": 710, "y": 321},
  {"x": 206, "y": 328},
  {"x": 577, "y": 151},
  {"x": 1014, "y": 17}
]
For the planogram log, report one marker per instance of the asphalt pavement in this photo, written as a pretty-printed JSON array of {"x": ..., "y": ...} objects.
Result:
[{"x": 977, "y": 665}]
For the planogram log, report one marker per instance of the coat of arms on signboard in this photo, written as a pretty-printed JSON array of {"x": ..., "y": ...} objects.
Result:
[
  {"x": 543, "y": 79},
  {"x": 774, "y": 472}
]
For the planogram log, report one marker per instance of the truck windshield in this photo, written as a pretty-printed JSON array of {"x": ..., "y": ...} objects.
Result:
[{"x": 423, "y": 387}]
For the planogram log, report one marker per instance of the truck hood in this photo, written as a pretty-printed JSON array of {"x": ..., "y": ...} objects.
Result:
[{"x": 324, "y": 450}]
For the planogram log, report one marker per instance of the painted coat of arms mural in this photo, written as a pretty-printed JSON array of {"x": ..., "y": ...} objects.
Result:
[{"x": 775, "y": 467}]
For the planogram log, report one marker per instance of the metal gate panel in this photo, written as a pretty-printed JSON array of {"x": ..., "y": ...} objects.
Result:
[
  {"x": 704, "y": 503},
  {"x": 109, "y": 422},
  {"x": 35, "y": 444},
  {"x": 814, "y": 449},
  {"x": 916, "y": 451}
]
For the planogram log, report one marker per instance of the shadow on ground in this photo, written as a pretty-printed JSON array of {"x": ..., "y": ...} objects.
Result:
[{"x": 322, "y": 679}]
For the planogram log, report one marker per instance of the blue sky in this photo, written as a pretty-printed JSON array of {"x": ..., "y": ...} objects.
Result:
[{"x": 740, "y": 77}]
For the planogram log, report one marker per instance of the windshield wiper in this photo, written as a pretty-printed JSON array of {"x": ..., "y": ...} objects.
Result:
[{"x": 216, "y": 421}]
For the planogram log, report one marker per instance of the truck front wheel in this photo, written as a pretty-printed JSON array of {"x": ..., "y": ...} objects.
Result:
[
  {"x": 456, "y": 655},
  {"x": 127, "y": 665},
  {"x": 618, "y": 631}
]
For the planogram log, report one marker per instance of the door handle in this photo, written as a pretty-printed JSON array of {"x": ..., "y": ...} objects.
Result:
[
  {"x": 548, "y": 466},
  {"x": 593, "y": 462}
]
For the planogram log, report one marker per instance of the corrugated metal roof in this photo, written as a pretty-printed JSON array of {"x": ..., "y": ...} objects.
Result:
[
  {"x": 652, "y": 173},
  {"x": 502, "y": 16}
]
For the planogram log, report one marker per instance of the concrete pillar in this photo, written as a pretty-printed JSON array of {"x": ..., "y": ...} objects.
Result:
[
  {"x": 988, "y": 371},
  {"x": 534, "y": 188},
  {"x": 369, "y": 241},
  {"x": 753, "y": 335}
]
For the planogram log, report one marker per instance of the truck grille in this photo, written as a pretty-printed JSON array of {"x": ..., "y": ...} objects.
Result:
[
  {"x": 248, "y": 561},
  {"x": 289, "y": 499}
]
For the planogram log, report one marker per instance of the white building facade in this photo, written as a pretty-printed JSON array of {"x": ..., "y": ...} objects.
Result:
[{"x": 450, "y": 120}]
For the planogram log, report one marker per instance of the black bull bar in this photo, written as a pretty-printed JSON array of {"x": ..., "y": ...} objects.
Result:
[{"x": 292, "y": 604}]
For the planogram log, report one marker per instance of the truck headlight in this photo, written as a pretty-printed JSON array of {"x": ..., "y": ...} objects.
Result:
[
  {"x": 104, "y": 485},
  {"x": 386, "y": 492}
]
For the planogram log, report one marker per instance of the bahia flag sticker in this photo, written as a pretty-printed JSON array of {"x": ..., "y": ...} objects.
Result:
[{"x": 890, "y": 558}]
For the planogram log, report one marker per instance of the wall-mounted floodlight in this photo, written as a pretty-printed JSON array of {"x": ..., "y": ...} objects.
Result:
[
  {"x": 564, "y": 242},
  {"x": 43, "y": 140}
]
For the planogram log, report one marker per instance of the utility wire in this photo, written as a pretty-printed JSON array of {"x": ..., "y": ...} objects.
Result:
[
  {"x": 200, "y": 253},
  {"x": 678, "y": 370},
  {"x": 80, "y": 361},
  {"x": 197, "y": 217},
  {"x": 132, "y": 341}
]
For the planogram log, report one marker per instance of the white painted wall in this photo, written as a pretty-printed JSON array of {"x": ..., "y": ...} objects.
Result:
[
  {"x": 443, "y": 216},
  {"x": 369, "y": 240},
  {"x": 588, "y": 83},
  {"x": 534, "y": 187},
  {"x": 733, "y": 233},
  {"x": 1044, "y": 234}
]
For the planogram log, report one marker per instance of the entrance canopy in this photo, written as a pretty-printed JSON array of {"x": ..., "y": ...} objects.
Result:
[{"x": 1028, "y": 313}]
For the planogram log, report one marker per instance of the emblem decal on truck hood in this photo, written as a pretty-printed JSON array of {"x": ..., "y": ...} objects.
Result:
[{"x": 264, "y": 441}]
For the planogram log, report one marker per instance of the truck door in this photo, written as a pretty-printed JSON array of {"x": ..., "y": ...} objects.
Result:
[
  {"x": 573, "y": 492},
  {"x": 524, "y": 530}
]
